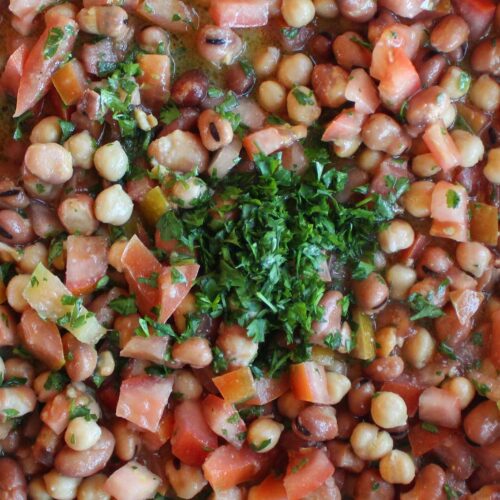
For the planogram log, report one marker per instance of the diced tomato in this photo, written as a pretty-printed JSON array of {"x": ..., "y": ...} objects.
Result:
[
  {"x": 236, "y": 386},
  {"x": 251, "y": 115},
  {"x": 441, "y": 145},
  {"x": 227, "y": 466},
  {"x": 41, "y": 63},
  {"x": 171, "y": 15},
  {"x": 495, "y": 340},
  {"x": 390, "y": 169},
  {"x": 146, "y": 348},
  {"x": 477, "y": 13},
  {"x": 466, "y": 304},
  {"x": 86, "y": 262},
  {"x": 409, "y": 392},
  {"x": 449, "y": 211},
  {"x": 403, "y": 8},
  {"x": 11, "y": 75},
  {"x": 23, "y": 8},
  {"x": 439, "y": 407},
  {"x": 308, "y": 382},
  {"x": 142, "y": 270},
  {"x": 132, "y": 481},
  {"x": 17, "y": 400},
  {"x": 175, "y": 283},
  {"x": 345, "y": 125},
  {"x": 272, "y": 488},
  {"x": 42, "y": 339},
  {"x": 362, "y": 91},
  {"x": 143, "y": 399},
  {"x": 126, "y": 4},
  {"x": 8, "y": 335},
  {"x": 271, "y": 139},
  {"x": 55, "y": 413},
  {"x": 192, "y": 439},
  {"x": 155, "y": 440},
  {"x": 484, "y": 223},
  {"x": 307, "y": 470},
  {"x": 423, "y": 441},
  {"x": 269, "y": 389},
  {"x": 98, "y": 55},
  {"x": 154, "y": 80},
  {"x": 70, "y": 81},
  {"x": 240, "y": 13}
]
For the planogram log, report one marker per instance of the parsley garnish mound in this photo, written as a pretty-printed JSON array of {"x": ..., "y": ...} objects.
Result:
[{"x": 260, "y": 266}]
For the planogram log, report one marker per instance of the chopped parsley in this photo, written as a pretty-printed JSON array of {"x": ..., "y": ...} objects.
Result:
[
  {"x": 19, "y": 122},
  {"x": 80, "y": 411},
  {"x": 451, "y": 492},
  {"x": 423, "y": 307},
  {"x": 429, "y": 427},
  {"x": 452, "y": 199},
  {"x": 477, "y": 338},
  {"x": 123, "y": 305},
  {"x": 14, "y": 382},
  {"x": 219, "y": 363},
  {"x": 333, "y": 340},
  {"x": 56, "y": 381},
  {"x": 169, "y": 113},
  {"x": 177, "y": 276},
  {"x": 361, "y": 43},
  {"x": 290, "y": 33},
  {"x": 67, "y": 128},
  {"x": 151, "y": 281},
  {"x": 55, "y": 36},
  {"x": 261, "y": 446},
  {"x": 464, "y": 81},
  {"x": 303, "y": 98},
  {"x": 447, "y": 351},
  {"x": 481, "y": 389}
]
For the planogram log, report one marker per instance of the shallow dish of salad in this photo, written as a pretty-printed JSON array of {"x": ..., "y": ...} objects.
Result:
[{"x": 249, "y": 249}]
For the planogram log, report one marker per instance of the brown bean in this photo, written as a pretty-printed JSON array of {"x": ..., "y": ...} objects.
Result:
[
  {"x": 345, "y": 423},
  {"x": 12, "y": 195},
  {"x": 382, "y": 133},
  {"x": 482, "y": 424},
  {"x": 81, "y": 363},
  {"x": 449, "y": 33},
  {"x": 99, "y": 306},
  {"x": 126, "y": 440},
  {"x": 428, "y": 106},
  {"x": 360, "y": 396},
  {"x": 486, "y": 57},
  {"x": 358, "y": 11},
  {"x": 431, "y": 69},
  {"x": 371, "y": 293},
  {"x": 343, "y": 456},
  {"x": 190, "y": 88},
  {"x": 44, "y": 220},
  {"x": 86, "y": 463},
  {"x": 15, "y": 229},
  {"x": 240, "y": 78},
  {"x": 320, "y": 47},
  {"x": 46, "y": 445},
  {"x": 295, "y": 43},
  {"x": 378, "y": 25},
  {"x": 431, "y": 289},
  {"x": 429, "y": 484},
  {"x": 12, "y": 481},
  {"x": 370, "y": 486},
  {"x": 434, "y": 260},
  {"x": 329, "y": 82},
  {"x": 186, "y": 121},
  {"x": 316, "y": 423},
  {"x": 396, "y": 315},
  {"x": 349, "y": 53},
  {"x": 385, "y": 369}
]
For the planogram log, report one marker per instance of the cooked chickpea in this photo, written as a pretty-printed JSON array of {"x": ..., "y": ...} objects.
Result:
[
  {"x": 397, "y": 467},
  {"x": 113, "y": 206},
  {"x": 302, "y": 106},
  {"x": 265, "y": 61},
  {"x": 15, "y": 292},
  {"x": 399, "y": 235},
  {"x": 485, "y": 93},
  {"x": 327, "y": 9},
  {"x": 450, "y": 115},
  {"x": 263, "y": 434},
  {"x": 462, "y": 388},
  {"x": 82, "y": 434},
  {"x": 238, "y": 348},
  {"x": 385, "y": 341},
  {"x": 289, "y": 406},
  {"x": 37, "y": 490},
  {"x": 48, "y": 129},
  {"x": 32, "y": 256},
  {"x": 345, "y": 148},
  {"x": 82, "y": 147},
  {"x": 105, "y": 364},
  {"x": 424, "y": 165},
  {"x": 492, "y": 168},
  {"x": 338, "y": 386},
  {"x": 295, "y": 70},
  {"x": 272, "y": 96},
  {"x": 473, "y": 257},
  {"x": 419, "y": 348},
  {"x": 470, "y": 147},
  {"x": 369, "y": 442},
  {"x": 455, "y": 82},
  {"x": 115, "y": 254},
  {"x": 126, "y": 439},
  {"x": 368, "y": 159},
  {"x": 76, "y": 214},
  {"x": 50, "y": 162},
  {"x": 194, "y": 351},
  {"x": 111, "y": 161},
  {"x": 388, "y": 410},
  {"x": 186, "y": 192},
  {"x": 400, "y": 279},
  {"x": 186, "y": 480},
  {"x": 297, "y": 13},
  {"x": 92, "y": 488},
  {"x": 187, "y": 385},
  {"x": 61, "y": 487},
  {"x": 417, "y": 200}
]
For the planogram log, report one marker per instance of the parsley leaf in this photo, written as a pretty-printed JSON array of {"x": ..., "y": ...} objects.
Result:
[
  {"x": 452, "y": 198},
  {"x": 422, "y": 307},
  {"x": 169, "y": 113},
  {"x": 56, "y": 381},
  {"x": 124, "y": 305},
  {"x": 67, "y": 128}
]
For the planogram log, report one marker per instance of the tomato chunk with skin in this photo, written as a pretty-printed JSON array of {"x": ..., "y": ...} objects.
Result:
[
  {"x": 43, "y": 60},
  {"x": 154, "y": 80},
  {"x": 424, "y": 439},
  {"x": 171, "y": 15},
  {"x": 240, "y": 13},
  {"x": 441, "y": 146},
  {"x": 142, "y": 270},
  {"x": 308, "y": 382},
  {"x": 271, "y": 488},
  {"x": 361, "y": 90},
  {"x": 308, "y": 469},
  {"x": 143, "y": 399},
  {"x": 439, "y": 407},
  {"x": 477, "y": 13},
  {"x": 271, "y": 139},
  {"x": 269, "y": 389},
  {"x": 192, "y": 439},
  {"x": 175, "y": 283},
  {"x": 227, "y": 466},
  {"x": 13, "y": 71},
  {"x": 155, "y": 440},
  {"x": 132, "y": 481},
  {"x": 495, "y": 340},
  {"x": 345, "y": 125},
  {"x": 236, "y": 386},
  {"x": 55, "y": 413},
  {"x": 409, "y": 392},
  {"x": 146, "y": 348},
  {"x": 86, "y": 262},
  {"x": 466, "y": 304}
]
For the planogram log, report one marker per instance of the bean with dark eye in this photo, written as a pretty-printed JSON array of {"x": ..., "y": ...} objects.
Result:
[
  {"x": 14, "y": 229},
  {"x": 360, "y": 396},
  {"x": 190, "y": 88},
  {"x": 320, "y": 47},
  {"x": 240, "y": 78},
  {"x": 434, "y": 260},
  {"x": 371, "y": 293},
  {"x": 12, "y": 196},
  {"x": 218, "y": 45},
  {"x": 316, "y": 423},
  {"x": 215, "y": 131}
]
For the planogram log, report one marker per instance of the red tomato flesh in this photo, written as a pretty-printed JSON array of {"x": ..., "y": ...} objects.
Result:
[{"x": 240, "y": 13}]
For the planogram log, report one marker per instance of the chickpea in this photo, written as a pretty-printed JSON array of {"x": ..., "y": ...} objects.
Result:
[
  {"x": 126, "y": 440},
  {"x": 194, "y": 351},
  {"x": 49, "y": 162},
  {"x": 215, "y": 131},
  {"x": 399, "y": 235},
  {"x": 185, "y": 193},
  {"x": 15, "y": 292},
  {"x": 462, "y": 388},
  {"x": 111, "y": 161},
  {"x": 450, "y": 115},
  {"x": 326, "y": 8},
  {"x": 289, "y": 406},
  {"x": 380, "y": 132},
  {"x": 272, "y": 96},
  {"x": 61, "y": 487},
  {"x": 369, "y": 442},
  {"x": 470, "y": 147},
  {"x": 345, "y": 148},
  {"x": 424, "y": 165},
  {"x": 385, "y": 341},
  {"x": 113, "y": 206},
  {"x": 455, "y": 82},
  {"x": 265, "y": 61},
  {"x": 218, "y": 45},
  {"x": 82, "y": 147},
  {"x": 187, "y": 385},
  {"x": 295, "y": 70},
  {"x": 92, "y": 488},
  {"x": 492, "y": 168},
  {"x": 76, "y": 214},
  {"x": 47, "y": 130},
  {"x": 302, "y": 106},
  {"x": 388, "y": 410},
  {"x": 473, "y": 257},
  {"x": 417, "y": 200},
  {"x": 397, "y": 467},
  {"x": 485, "y": 94},
  {"x": 263, "y": 434},
  {"x": 419, "y": 348},
  {"x": 153, "y": 39},
  {"x": 368, "y": 160},
  {"x": 400, "y": 279},
  {"x": 115, "y": 254},
  {"x": 356, "y": 11},
  {"x": 82, "y": 434},
  {"x": 186, "y": 480},
  {"x": 238, "y": 349},
  {"x": 105, "y": 364},
  {"x": 37, "y": 490},
  {"x": 297, "y": 13},
  {"x": 338, "y": 386},
  {"x": 371, "y": 293},
  {"x": 106, "y": 20},
  {"x": 360, "y": 396},
  {"x": 449, "y": 33},
  {"x": 32, "y": 255}
]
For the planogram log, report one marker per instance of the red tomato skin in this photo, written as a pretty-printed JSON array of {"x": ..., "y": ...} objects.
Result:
[
  {"x": 269, "y": 389},
  {"x": 345, "y": 125},
  {"x": 155, "y": 79},
  {"x": 55, "y": 413},
  {"x": 155, "y": 440},
  {"x": 410, "y": 393},
  {"x": 477, "y": 13},
  {"x": 362, "y": 91},
  {"x": 271, "y": 488},
  {"x": 308, "y": 382},
  {"x": 495, "y": 340},
  {"x": 146, "y": 348},
  {"x": 271, "y": 139},
  {"x": 441, "y": 145},
  {"x": 192, "y": 439},
  {"x": 240, "y": 13},
  {"x": 13, "y": 71}
]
